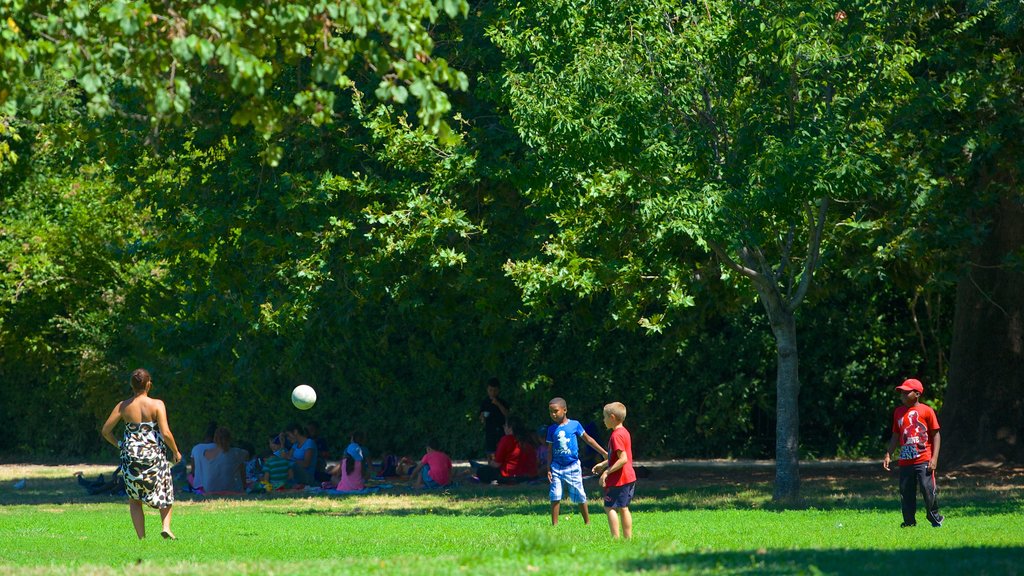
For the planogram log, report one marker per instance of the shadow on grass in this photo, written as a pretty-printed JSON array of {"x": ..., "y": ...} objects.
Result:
[
  {"x": 964, "y": 495},
  {"x": 974, "y": 561}
]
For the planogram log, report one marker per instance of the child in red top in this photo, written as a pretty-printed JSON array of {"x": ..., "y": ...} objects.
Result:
[
  {"x": 515, "y": 459},
  {"x": 915, "y": 429},
  {"x": 617, "y": 475}
]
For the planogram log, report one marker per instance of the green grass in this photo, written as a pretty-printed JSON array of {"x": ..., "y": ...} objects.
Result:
[{"x": 684, "y": 523}]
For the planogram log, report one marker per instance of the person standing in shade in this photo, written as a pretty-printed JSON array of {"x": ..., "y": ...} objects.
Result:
[
  {"x": 144, "y": 467},
  {"x": 493, "y": 412}
]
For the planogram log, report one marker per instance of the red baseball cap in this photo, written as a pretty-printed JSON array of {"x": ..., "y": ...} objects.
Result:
[{"x": 911, "y": 384}]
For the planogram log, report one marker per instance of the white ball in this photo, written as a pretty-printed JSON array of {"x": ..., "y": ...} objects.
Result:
[{"x": 303, "y": 397}]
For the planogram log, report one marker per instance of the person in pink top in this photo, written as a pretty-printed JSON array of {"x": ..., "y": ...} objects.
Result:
[
  {"x": 350, "y": 474},
  {"x": 434, "y": 469},
  {"x": 617, "y": 475}
]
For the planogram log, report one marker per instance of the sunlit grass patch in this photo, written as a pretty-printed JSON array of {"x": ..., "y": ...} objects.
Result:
[{"x": 846, "y": 526}]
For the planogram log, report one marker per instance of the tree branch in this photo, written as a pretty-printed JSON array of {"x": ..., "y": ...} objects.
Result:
[
  {"x": 787, "y": 251},
  {"x": 732, "y": 264},
  {"x": 813, "y": 251}
]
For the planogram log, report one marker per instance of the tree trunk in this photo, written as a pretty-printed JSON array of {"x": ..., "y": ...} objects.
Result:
[
  {"x": 787, "y": 410},
  {"x": 982, "y": 416}
]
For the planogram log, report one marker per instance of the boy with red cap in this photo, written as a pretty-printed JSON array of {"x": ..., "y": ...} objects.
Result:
[{"x": 915, "y": 429}]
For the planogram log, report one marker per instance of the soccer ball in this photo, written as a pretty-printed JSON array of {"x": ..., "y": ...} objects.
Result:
[{"x": 303, "y": 397}]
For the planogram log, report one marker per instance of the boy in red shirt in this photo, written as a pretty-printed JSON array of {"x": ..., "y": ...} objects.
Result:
[
  {"x": 617, "y": 475},
  {"x": 915, "y": 429}
]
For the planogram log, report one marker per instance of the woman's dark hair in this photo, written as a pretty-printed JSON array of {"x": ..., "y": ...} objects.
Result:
[
  {"x": 522, "y": 434},
  {"x": 211, "y": 429},
  {"x": 140, "y": 377},
  {"x": 222, "y": 438},
  {"x": 350, "y": 464},
  {"x": 295, "y": 427}
]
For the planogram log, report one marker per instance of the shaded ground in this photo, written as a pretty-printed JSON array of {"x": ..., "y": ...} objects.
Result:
[
  {"x": 666, "y": 485},
  {"x": 699, "y": 472}
]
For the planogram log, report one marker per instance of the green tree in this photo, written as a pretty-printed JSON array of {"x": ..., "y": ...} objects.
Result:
[
  {"x": 163, "y": 53},
  {"x": 67, "y": 241},
  {"x": 670, "y": 133},
  {"x": 962, "y": 144}
]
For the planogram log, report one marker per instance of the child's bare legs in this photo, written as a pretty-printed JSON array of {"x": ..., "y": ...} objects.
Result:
[
  {"x": 138, "y": 518},
  {"x": 554, "y": 512},
  {"x": 614, "y": 515},
  {"x": 165, "y": 518},
  {"x": 585, "y": 512},
  {"x": 613, "y": 521}
]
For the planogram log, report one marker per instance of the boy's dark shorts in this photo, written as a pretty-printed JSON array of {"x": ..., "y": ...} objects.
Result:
[{"x": 619, "y": 496}]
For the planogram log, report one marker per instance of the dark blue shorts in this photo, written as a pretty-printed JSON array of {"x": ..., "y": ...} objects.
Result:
[{"x": 619, "y": 496}]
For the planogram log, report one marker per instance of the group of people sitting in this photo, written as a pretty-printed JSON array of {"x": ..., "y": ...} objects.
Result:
[
  {"x": 295, "y": 459},
  {"x": 219, "y": 466}
]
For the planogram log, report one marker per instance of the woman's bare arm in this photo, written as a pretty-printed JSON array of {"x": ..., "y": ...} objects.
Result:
[
  {"x": 108, "y": 426},
  {"x": 165, "y": 431}
]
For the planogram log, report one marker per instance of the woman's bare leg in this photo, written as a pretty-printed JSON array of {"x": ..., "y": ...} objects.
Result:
[
  {"x": 165, "y": 518},
  {"x": 138, "y": 518}
]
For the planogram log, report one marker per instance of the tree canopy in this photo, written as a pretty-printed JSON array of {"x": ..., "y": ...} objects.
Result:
[
  {"x": 272, "y": 65},
  {"x": 396, "y": 201}
]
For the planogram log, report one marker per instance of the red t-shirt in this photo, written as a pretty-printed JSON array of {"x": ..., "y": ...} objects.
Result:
[
  {"x": 620, "y": 440},
  {"x": 516, "y": 459},
  {"x": 912, "y": 425}
]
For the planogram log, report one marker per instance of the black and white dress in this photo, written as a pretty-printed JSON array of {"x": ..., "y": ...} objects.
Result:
[{"x": 144, "y": 467}]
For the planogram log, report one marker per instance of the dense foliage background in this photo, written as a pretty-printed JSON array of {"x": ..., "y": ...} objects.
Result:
[{"x": 565, "y": 229}]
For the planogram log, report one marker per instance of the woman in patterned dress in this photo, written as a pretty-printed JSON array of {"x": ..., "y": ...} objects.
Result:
[{"x": 144, "y": 467}]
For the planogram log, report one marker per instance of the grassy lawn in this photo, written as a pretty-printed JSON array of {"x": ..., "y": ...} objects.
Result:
[{"x": 687, "y": 521}]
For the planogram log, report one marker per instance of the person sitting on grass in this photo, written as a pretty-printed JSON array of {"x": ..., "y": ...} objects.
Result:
[
  {"x": 277, "y": 471},
  {"x": 515, "y": 459},
  {"x": 434, "y": 469},
  {"x": 323, "y": 453},
  {"x": 198, "y": 476},
  {"x": 101, "y": 486},
  {"x": 225, "y": 465},
  {"x": 303, "y": 454},
  {"x": 351, "y": 473}
]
